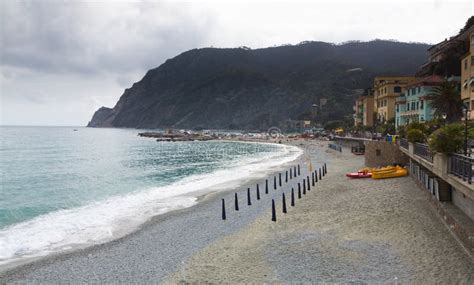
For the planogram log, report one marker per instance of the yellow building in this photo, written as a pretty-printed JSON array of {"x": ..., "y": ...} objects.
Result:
[
  {"x": 467, "y": 70},
  {"x": 364, "y": 110},
  {"x": 386, "y": 91}
]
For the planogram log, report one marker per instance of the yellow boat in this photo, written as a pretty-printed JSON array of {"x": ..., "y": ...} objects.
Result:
[
  {"x": 382, "y": 169},
  {"x": 398, "y": 172}
]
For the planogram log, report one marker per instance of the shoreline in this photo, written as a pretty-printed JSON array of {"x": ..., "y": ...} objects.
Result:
[{"x": 18, "y": 268}]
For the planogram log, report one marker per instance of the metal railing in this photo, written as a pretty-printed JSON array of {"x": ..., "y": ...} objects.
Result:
[
  {"x": 423, "y": 151},
  {"x": 404, "y": 143},
  {"x": 461, "y": 166}
]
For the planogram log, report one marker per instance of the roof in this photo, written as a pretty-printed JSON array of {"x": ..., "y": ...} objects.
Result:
[{"x": 431, "y": 80}]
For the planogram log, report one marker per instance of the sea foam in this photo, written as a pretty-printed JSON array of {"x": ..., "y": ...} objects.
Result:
[{"x": 114, "y": 217}]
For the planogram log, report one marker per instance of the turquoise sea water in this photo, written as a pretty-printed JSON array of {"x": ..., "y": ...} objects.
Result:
[{"x": 61, "y": 187}]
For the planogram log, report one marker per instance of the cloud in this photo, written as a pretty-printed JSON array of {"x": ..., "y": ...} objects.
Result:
[
  {"x": 98, "y": 37},
  {"x": 75, "y": 55}
]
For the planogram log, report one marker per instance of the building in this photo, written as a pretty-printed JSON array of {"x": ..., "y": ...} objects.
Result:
[
  {"x": 300, "y": 125},
  {"x": 413, "y": 105},
  {"x": 364, "y": 109},
  {"x": 467, "y": 70},
  {"x": 386, "y": 91}
]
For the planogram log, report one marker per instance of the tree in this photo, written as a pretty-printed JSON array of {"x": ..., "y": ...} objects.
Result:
[
  {"x": 446, "y": 99},
  {"x": 387, "y": 128},
  {"x": 469, "y": 23},
  {"x": 415, "y": 135},
  {"x": 448, "y": 139}
]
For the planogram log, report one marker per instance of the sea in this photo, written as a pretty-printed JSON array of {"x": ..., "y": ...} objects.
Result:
[{"x": 67, "y": 187}]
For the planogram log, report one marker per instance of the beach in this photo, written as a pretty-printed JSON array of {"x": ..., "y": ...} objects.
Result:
[{"x": 340, "y": 231}]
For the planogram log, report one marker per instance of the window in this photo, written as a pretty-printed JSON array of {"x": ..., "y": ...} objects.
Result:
[
  {"x": 397, "y": 89},
  {"x": 385, "y": 90},
  {"x": 472, "y": 40},
  {"x": 421, "y": 105},
  {"x": 413, "y": 105},
  {"x": 378, "y": 152},
  {"x": 419, "y": 89},
  {"x": 472, "y": 104},
  {"x": 422, "y": 119},
  {"x": 408, "y": 106},
  {"x": 472, "y": 60},
  {"x": 417, "y": 105},
  {"x": 465, "y": 64}
]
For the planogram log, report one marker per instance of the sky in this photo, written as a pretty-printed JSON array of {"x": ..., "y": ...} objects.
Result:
[{"x": 62, "y": 60}]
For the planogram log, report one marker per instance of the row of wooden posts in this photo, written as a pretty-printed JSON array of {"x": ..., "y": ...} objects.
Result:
[{"x": 293, "y": 173}]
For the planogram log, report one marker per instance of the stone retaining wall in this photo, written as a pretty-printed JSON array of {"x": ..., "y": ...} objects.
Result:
[{"x": 381, "y": 153}]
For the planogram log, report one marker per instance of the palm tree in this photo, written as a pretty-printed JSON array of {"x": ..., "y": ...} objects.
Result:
[{"x": 446, "y": 99}]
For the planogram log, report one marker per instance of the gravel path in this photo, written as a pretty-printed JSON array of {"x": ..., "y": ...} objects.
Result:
[
  {"x": 344, "y": 231},
  {"x": 153, "y": 253}
]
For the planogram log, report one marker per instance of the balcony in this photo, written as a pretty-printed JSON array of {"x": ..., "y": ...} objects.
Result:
[
  {"x": 409, "y": 113},
  {"x": 401, "y": 99},
  {"x": 423, "y": 151},
  {"x": 461, "y": 166}
]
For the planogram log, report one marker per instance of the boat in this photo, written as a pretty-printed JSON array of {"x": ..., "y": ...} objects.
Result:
[
  {"x": 359, "y": 175},
  {"x": 397, "y": 172},
  {"x": 381, "y": 169}
]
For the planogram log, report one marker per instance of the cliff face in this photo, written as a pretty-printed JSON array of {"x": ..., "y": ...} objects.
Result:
[
  {"x": 100, "y": 118},
  {"x": 255, "y": 89}
]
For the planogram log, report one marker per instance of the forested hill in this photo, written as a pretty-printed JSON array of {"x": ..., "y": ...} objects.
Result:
[{"x": 241, "y": 88}]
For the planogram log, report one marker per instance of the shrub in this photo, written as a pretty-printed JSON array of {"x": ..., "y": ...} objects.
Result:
[
  {"x": 402, "y": 131},
  {"x": 419, "y": 126},
  {"x": 448, "y": 139},
  {"x": 415, "y": 135}
]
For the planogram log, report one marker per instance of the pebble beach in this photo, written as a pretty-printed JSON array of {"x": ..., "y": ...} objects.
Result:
[{"x": 341, "y": 231}]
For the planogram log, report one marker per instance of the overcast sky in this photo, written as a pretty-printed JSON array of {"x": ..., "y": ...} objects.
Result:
[{"x": 62, "y": 60}]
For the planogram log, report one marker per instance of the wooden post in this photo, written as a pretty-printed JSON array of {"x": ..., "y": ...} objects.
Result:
[
  {"x": 258, "y": 192},
  {"x": 299, "y": 173},
  {"x": 304, "y": 186},
  {"x": 249, "y": 202},
  {"x": 274, "y": 182},
  {"x": 223, "y": 210},
  {"x": 291, "y": 174},
  {"x": 284, "y": 203},
  {"x": 274, "y": 217},
  {"x": 236, "y": 202},
  {"x": 279, "y": 179},
  {"x": 266, "y": 186},
  {"x": 320, "y": 174},
  {"x": 307, "y": 182},
  {"x": 299, "y": 190},
  {"x": 292, "y": 197},
  {"x": 286, "y": 176}
]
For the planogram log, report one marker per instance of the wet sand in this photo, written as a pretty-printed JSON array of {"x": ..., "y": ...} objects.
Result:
[{"x": 343, "y": 231}]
